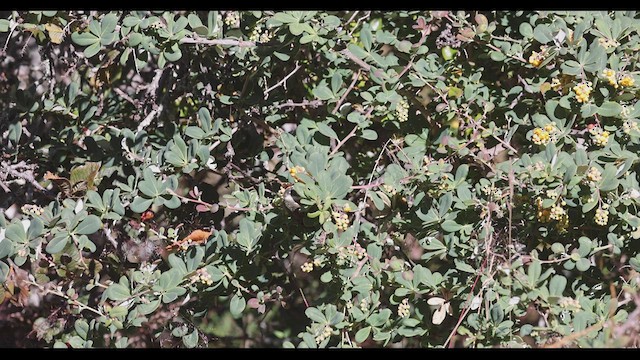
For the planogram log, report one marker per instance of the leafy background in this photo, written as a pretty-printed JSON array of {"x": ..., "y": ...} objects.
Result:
[{"x": 319, "y": 179}]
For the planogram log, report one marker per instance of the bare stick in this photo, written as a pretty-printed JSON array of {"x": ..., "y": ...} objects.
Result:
[
  {"x": 214, "y": 42},
  {"x": 344, "y": 96},
  {"x": 282, "y": 82}
]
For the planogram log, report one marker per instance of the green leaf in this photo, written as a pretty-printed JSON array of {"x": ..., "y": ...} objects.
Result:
[
  {"x": 194, "y": 132},
  {"x": 85, "y": 38},
  {"x": 4, "y": 271},
  {"x": 118, "y": 292},
  {"x": 326, "y": 130},
  {"x": 534, "y": 271},
  {"x": 451, "y": 226},
  {"x": 237, "y": 305},
  {"x": 610, "y": 108},
  {"x": 583, "y": 264},
  {"x": 526, "y": 30},
  {"x": 542, "y": 33},
  {"x": 322, "y": 92},
  {"x": 557, "y": 285},
  {"x": 4, "y": 25},
  {"x": 89, "y": 225},
  {"x": 190, "y": 341},
  {"x": 146, "y": 309},
  {"x": 315, "y": 315},
  {"x": 170, "y": 279},
  {"x": 58, "y": 243},
  {"x": 92, "y": 50},
  {"x": 369, "y": 134},
  {"x": 140, "y": 205},
  {"x": 363, "y": 334}
]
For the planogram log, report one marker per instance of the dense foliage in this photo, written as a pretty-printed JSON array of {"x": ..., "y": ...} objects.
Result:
[{"x": 319, "y": 179}]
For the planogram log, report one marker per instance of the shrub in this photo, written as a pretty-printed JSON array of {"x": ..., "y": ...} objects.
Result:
[{"x": 319, "y": 179}]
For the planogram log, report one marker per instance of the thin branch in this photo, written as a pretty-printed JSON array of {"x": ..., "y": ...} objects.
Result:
[
  {"x": 282, "y": 82},
  {"x": 344, "y": 96},
  {"x": 351, "y": 134},
  {"x": 289, "y": 103},
  {"x": 125, "y": 96},
  {"x": 355, "y": 59},
  {"x": 222, "y": 42}
]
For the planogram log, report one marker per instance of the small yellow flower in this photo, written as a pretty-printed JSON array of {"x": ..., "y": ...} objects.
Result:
[
  {"x": 404, "y": 308},
  {"x": 627, "y": 81},
  {"x": 294, "y": 171},
  {"x": 536, "y": 58},
  {"x": 600, "y": 137},
  {"x": 402, "y": 110},
  {"x": 557, "y": 212},
  {"x": 540, "y": 136},
  {"x": 608, "y": 43},
  {"x": 307, "y": 267},
  {"x": 593, "y": 175},
  {"x": 602, "y": 217},
  {"x": 610, "y": 75},
  {"x": 556, "y": 84},
  {"x": 583, "y": 90}
]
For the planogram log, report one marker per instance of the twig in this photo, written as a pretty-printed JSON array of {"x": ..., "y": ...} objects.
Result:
[
  {"x": 355, "y": 59},
  {"x": 351, "y": 134},
  {"x": 568, "y": 339},
  {"x": 282, "y": 82},
  {"x": 125, "y": 96},
  {"x": 291, "y": 104},
  {"x": 214, "y": 42},
  {"x": 468, "y": 308},
  {"x": 64, "y": 296},
  {"x": 344, "y": 96}
]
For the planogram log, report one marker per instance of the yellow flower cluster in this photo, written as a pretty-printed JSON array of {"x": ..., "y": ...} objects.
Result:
[
  {"x": 32, "y": 209},
  {"x": 602, "y": 216},
  {"x": 610, "y": 75},
  {"x": 600, "y": 137},
  {"x": 402, "y": 110},
  {"x": 259, "y": 36},
  {"x": 364, "y": 305},
  {"x": 203, "y": 276},
  {"x": 583, "y": 90},
  {"x": 341, "y": 220},
  {"x": 629, "y": 125},
  {"x": 307, "y": 267},
  {"x": 542, "y": 136},
  {"x": 627, "y": 81},
  {"x": 389, "y": 189},
  {"x": 232, "y": 18},
  {"x": 569, "y": 303},
  {"x": 608, "y": 43},
  {"x": 352, "y": 252},
  {"x": 294, "y": 171},
  {"x": 543, "y": 214},
  {"x": 404, "y": 308},
  {"x": 536, "y": 58},
  {"x": 593, "y": 176},
  {"x": 326, "y": 332},
  {"x": 557, "y": 212}
]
